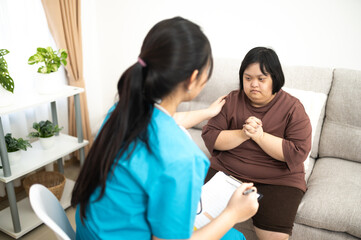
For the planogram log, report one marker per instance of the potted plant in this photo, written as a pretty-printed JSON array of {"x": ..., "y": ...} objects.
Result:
[
  {"x": 13, "y": 147},
  {"x": 45, "y": 131},
  {"x": 6, "y": 82},
  {"x": 50, "y": 61}
]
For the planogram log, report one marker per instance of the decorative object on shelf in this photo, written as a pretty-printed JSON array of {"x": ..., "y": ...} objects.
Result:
[
  {"x": 45, "y": 131},
  {"x": 54, "y": 181},
  {"x": 46, "y": 78},
  {"x": 6, "y": 82},
  {"x": 13, "y": 147}
]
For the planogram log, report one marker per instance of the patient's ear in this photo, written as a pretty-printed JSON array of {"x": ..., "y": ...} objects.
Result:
[{"x": 192, "y": 81}]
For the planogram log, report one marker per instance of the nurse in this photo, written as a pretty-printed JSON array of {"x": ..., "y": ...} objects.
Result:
[{"x": 143, "y": 175}]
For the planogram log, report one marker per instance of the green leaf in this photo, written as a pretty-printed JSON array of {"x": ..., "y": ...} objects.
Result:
[
  {"x": 36, "y": 58},
  {"x": 4, "y": 52},
  {"x": 54, "y": 67},
  {"x": 50, "y": 50},
  {"x": 64, "y": 62},
  {"x": 39, "y": 57},
  {"x": 13, "y": 144},
  {"x": 32, "y": 60},
  {"x": 63, "y": 55},
  {"x": 43, "y": 69},
  {"x": 7, "y": 82},
  {"x": 41, "y": 50}
]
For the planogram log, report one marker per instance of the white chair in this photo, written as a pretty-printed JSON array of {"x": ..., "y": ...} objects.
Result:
[{"x": 47, "y": 207}]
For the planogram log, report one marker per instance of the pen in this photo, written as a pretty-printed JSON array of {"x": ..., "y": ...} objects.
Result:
[{"x": 248, "y": 191}]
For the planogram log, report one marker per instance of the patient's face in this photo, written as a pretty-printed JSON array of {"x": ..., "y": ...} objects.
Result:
[{"x": 257, "y": 86}]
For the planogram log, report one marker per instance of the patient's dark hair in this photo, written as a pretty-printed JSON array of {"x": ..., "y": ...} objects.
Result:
[
  {"x": 268, "y": 62},
  {"x": 171, "y": 51}
]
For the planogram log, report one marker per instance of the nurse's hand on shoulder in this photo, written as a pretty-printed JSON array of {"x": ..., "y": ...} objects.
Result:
[
  {"x": 216, "y": 106},
  {"x": 241, "y": 206}
]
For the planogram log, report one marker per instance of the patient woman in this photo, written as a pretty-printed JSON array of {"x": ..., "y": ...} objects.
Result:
[
  {"x": 263, "y": 135},
  {"x": 143, "y": 176}
]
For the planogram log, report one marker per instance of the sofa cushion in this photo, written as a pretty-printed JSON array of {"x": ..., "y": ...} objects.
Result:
[
  {"x": 302, "y": 232},
  {"x": 341, "y": 133},
  {"x": 313, "y": 79},
  {"x": 333, "y": 198},
  {"x": 314, "y": 104}
]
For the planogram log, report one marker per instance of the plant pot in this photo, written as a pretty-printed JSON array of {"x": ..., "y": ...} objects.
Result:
[
  {"x": 47, "y": 143},
  {"x": 6, "y": 98},
  {"x": 14, "y": 157},
  {"x": 48, "y": 83}
]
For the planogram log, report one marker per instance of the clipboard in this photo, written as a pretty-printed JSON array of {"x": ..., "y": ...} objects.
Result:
[{"x": 214, "y": 197}]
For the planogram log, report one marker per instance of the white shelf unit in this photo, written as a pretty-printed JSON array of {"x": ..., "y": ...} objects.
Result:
[{"x": 21, "y": 214}]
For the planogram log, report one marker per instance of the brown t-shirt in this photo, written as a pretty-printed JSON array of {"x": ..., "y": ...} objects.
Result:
[{"x": 284, "y": 117}]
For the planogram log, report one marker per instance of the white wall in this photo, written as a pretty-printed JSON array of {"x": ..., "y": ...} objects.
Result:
[{"x": 325, "y": 33}]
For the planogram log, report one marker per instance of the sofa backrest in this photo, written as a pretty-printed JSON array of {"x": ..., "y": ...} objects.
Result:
[{"x": 341, "y": 132}]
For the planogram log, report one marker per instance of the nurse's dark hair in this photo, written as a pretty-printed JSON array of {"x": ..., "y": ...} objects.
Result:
[
  {"x": 269, "y": 64},
  {"x": 170, "y": 53}
]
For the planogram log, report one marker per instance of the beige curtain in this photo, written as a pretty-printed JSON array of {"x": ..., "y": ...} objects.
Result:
[{"x": 63, "y": 18}]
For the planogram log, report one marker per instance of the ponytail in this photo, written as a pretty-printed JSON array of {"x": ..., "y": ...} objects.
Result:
[{"x": 122, "y": 128}]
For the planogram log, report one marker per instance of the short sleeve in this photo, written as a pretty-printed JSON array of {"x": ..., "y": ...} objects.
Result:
[
  {"x": 214, "y": 127},
  {"x": 297, "y": 141},
  {"x": 173, "y": 199}
]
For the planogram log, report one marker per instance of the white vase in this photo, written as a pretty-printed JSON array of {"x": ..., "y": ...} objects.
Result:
[
  {"x": 6, "y": 98},
  {"x": 47, "y": 143},
  {"x": 14, "y": 157},
  {"x": 48, "y": 83}
]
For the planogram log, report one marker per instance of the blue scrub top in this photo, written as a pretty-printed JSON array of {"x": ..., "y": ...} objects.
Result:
[{"x": 150, "y": 193}]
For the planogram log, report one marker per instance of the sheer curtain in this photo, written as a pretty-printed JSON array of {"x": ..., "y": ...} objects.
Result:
[{"x": 23, "y": 28}]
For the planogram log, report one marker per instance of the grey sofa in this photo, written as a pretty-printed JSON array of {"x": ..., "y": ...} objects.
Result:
[{"x": 331, "y": 207}]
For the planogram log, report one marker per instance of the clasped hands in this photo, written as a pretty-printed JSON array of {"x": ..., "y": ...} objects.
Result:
[{"x": 253, "y": 128}]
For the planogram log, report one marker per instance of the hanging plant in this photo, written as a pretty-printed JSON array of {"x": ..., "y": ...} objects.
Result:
[
  {"x": 51, "y": 59},
  {"x": 5, "y": 80}
]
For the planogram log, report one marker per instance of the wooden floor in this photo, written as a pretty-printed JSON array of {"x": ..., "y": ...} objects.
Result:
[{"x": 71, "y": 170}]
